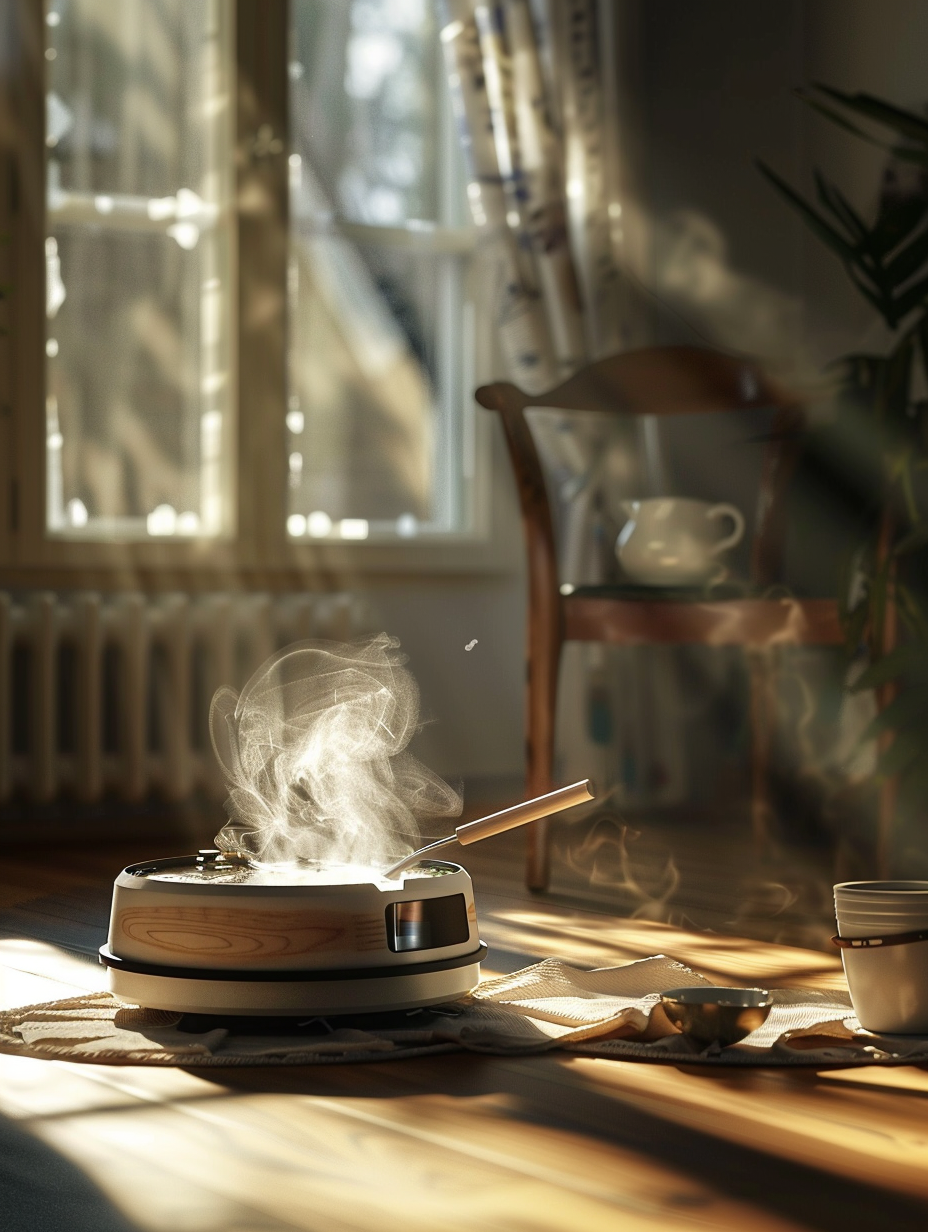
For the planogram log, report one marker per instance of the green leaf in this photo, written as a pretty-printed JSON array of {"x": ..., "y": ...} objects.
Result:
[
  {"x": 837, "y": 118},
  {"x": 911, "y": 299},
  {"x": 835, "y": 241},
  {"x": 881, "y": 302},
  {"x": 911, "y": 613},
  {"x": 922, "y": 330},
  {"x": 906, "y": 123},
  {"x": 899, "y": 662},
  {"x": 898, "y": 374},
  {"x": 862, "y": 372},
  {"x": 908, "y": 261},
  {"x": 917, "y": 155},
  {"x": 907, "y": 747},
  {"x": 898, "y": 219},
  {"x": 833, "y": 199},
  {"x": 909, "y": 706},
  {"x": 913, "y": 791},
  {"x": 912, "y": 542},
  {"x": 878, "y": 592}
]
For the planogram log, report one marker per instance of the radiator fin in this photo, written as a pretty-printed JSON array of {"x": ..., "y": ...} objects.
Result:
[{"x": 109, "y": 695}]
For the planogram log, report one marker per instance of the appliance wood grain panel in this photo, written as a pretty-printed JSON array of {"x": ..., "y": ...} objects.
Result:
[{"x": 236, "y": 934}]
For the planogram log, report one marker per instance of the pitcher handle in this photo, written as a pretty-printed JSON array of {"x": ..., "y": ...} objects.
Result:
[{"x": 727, "y": 511}]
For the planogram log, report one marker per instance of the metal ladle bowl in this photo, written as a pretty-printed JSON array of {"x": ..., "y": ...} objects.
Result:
[{"x": 707, "y": 1014}]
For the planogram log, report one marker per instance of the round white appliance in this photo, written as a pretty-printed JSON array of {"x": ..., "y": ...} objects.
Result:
[{"x": 214, "y": 934}]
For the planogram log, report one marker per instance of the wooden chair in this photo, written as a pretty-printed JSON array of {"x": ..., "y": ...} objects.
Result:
[{"x": 655, "y": 381}]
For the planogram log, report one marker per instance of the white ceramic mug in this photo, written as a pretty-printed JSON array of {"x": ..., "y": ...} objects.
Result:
[
  {"x": 671, "y": 541},
  {"x": 888, "y": 982}
]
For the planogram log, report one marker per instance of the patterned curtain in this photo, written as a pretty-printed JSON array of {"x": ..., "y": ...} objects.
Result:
[
  {"x": 536, "y": 124},
  {"x": 527, "y": 90}
]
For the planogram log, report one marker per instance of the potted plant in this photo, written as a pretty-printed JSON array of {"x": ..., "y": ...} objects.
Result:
[{"x": 877, "y": 439}]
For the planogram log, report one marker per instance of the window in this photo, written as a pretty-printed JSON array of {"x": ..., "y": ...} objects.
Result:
[
  {"x": 378, "y": 403},
  {"x": 258, "y": 347},
  {"x": 139, "y": 410}
]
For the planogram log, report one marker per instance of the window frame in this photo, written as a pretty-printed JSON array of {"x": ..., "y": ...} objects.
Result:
[{"x": 258, "y": 552}]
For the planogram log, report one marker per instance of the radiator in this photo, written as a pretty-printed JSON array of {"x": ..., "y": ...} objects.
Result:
[{"x": 109, "y": 695}]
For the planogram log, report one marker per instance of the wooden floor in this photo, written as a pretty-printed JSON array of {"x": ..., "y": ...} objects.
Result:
[
  {"x": 699, "y": 873},
  {"x": 529, "y": 1144}
]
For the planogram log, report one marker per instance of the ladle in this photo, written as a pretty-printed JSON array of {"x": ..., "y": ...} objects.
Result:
[{"x": 508, "y": 819}]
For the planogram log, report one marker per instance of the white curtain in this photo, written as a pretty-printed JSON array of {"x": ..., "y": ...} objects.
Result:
[
  {"x": 530, "y": 82},
  {"x": 526, "y": 81}
]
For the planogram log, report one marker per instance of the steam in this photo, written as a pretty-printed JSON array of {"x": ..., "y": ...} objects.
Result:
[
  {"x": 313, "y": 755},
  {"x": 603, "y": 857}
]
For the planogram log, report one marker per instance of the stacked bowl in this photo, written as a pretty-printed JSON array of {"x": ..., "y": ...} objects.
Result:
[{"x": 883, "y": 937}]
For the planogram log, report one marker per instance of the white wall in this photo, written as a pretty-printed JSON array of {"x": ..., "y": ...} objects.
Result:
[
  {"x": 713, "y": 90},
  {"x": 472, "y": 701}
]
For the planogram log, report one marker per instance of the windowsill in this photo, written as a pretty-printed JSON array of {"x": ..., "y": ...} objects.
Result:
[
  {"x": 251, "y": 562},
  {"x": 206, "y": 566}
]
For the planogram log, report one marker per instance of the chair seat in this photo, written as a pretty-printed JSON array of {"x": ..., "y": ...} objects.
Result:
[
  {"x": 670, "y": 594},
  {"x": 638, "y": 616}
]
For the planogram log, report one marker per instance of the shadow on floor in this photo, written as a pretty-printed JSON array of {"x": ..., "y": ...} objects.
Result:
[{"x": 41, "y": 1191}]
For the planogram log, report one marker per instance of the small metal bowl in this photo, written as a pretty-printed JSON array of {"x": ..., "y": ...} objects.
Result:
[{"x": 707, "y": 1014}]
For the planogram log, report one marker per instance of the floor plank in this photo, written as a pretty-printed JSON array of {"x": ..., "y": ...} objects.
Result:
[{"x": 533, "y": 1144}]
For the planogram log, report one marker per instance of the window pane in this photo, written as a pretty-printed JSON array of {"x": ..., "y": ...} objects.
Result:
[
  {"x": 379, "y": 319},
  {"x": 137, "y": 268}
]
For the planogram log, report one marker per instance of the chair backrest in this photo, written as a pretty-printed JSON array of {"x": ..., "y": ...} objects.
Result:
[{"x": 656, "y": 381}]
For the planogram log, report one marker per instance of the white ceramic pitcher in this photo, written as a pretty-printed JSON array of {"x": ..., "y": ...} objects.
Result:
[{"x": 672, "y": 541}]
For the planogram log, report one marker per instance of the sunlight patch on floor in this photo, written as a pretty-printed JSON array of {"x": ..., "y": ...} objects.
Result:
[
  {"x": 23, "y": 961},
  {"x": 605, "y": 941}
]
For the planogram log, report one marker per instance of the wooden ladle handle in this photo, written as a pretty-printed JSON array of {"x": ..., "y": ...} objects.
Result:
[{"x": 529, "y": 810}]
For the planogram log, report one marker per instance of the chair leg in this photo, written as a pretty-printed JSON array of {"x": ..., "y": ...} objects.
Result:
[
  {"x": 541, "y": 703},
  {"x": 538, "y": 855},
  {"x": 539, "y": 782},
  {"x": 761, "y": 669},
  {"x": 886, "y": 821}
]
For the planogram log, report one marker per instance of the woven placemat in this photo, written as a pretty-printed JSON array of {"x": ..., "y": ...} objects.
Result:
[{"x": 610, "y": 1012}]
